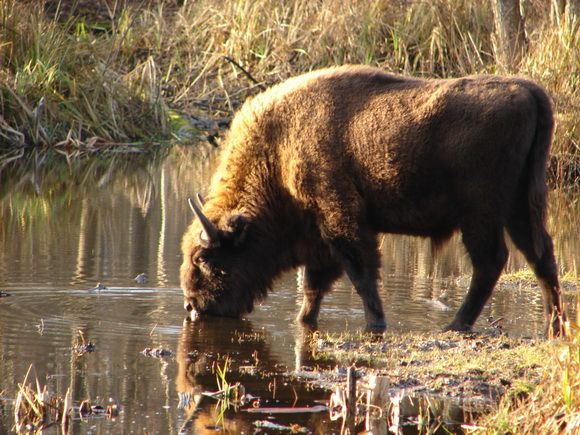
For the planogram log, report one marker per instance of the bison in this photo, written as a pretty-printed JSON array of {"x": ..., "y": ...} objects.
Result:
[{"x": 313, "y": 169}]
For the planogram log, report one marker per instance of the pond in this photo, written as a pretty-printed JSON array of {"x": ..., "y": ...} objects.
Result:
[{"x": 65, "y": 228}]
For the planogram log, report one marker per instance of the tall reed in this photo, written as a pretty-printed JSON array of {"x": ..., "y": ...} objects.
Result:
[{"x": 62, "y": 83}]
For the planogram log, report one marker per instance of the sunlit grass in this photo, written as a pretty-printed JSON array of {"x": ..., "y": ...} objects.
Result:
[
  {"x": 552, "y": 406},
  {"x": 433, "y": 354}
]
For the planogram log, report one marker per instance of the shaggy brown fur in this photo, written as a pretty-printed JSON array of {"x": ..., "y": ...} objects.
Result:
[{"x": 314, "y": 168}]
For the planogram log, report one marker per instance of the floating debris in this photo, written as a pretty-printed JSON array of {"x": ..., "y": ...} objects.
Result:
[
  {"x": 288, "y": 410},
  {"x": 112, "y": 410},
  {"x": 98, "y": 409},
  {"x": 87, "y": 409},
  {"x": 83, "y": 346},
  {"x": 156, "y": 352},
  {"x": 141, "y": 278},
  {"x": 36, "y": 409},
  {"x": 293, "y": 428},
  {"x": 233, "y": 393},
  {"x": 3, "y": 294},
  {"x": 496, "y": 324},
  {"x": 437, "y": 304},
  {"x": 40, "y": 327},
  {"x": 242, "y": 337},
  {"x": 193, "y": 355},
  {"x": 99, "y": 287},
  {"x": 250, "y": 370}
]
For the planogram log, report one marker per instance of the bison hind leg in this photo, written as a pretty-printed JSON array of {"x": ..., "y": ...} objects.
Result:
[
  {"x": 486, "y": 247},
  {"x": 317, "y": 282},
  {"x": 543, "y": 263}
]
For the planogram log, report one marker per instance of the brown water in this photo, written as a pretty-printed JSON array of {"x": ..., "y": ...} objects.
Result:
[{"x": 63, "y": 230}]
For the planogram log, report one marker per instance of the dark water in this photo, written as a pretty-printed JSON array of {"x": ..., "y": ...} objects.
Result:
[{"x": 64, "y": 229}]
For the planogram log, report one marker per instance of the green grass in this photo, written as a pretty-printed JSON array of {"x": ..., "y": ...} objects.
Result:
[{"x": 82, "y": 81}]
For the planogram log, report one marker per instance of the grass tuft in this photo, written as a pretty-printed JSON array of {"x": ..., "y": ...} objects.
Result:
[
  {"x": 553, "y": 406},
  {"x": 36, "y": 408}
]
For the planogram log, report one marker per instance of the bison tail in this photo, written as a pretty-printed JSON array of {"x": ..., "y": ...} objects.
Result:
[{"x": 537, "y": 163}]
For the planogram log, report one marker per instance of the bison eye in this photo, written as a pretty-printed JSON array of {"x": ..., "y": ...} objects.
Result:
[
  {"x": 205, "y": 265},
  {"x": 201, "y": 260}
]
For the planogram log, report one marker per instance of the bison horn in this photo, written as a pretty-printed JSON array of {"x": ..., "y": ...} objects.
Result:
[{"x": 210, "y": 229}]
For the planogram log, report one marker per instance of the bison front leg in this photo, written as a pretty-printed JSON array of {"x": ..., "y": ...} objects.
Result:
[
  {"x": 343, "y": 225},
  {"x": 317, "y": 282},
  {"x": 361, "y": 262}
]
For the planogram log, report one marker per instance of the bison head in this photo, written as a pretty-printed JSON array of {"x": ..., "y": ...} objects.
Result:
[{"x": 219, "y": 274}]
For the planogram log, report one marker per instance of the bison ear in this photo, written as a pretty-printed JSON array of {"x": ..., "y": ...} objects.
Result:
[{"x": 238, "y": 228}]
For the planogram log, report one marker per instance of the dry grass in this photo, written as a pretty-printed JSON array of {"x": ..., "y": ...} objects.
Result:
[
  {"x": 79, "y": 80},
  {"x": 62, "y": 84},
  {"x": 554, "y": 404},
  {"x": 36, "y": 408}
]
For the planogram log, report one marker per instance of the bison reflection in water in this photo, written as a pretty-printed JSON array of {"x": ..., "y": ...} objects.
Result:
[
  {"x": 200, "y": 345},
  {"x": 314, "y": 168}
]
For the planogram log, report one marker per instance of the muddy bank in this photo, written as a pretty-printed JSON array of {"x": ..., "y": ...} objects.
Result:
[
  {"x": 436, "y": 382},
  {"x": 466, "y": 366}
]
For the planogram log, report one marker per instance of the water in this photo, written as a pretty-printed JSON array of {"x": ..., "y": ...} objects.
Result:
[{"x": 63, "y": 230}]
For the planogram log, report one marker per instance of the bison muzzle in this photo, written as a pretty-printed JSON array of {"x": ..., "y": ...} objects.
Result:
[{"x": 313, "y": 169}]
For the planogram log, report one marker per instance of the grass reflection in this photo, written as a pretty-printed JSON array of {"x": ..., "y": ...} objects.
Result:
[{"x": 98, "y": 217}]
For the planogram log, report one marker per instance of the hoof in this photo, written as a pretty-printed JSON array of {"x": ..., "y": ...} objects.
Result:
[
  {"x": 376, "y": 327},
  {"x": 308, "y": 326},
  {"x": 458, "y": 327},
  {"x": 309, "y": 329},
  {"x": 556, "y": 328}
]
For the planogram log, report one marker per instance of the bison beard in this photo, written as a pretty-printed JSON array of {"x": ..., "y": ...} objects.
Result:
[{"x": 315, "y": 168}]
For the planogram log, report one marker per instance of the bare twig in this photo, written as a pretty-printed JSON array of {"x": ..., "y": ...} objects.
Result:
[{"x": 246, "y": 73}]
